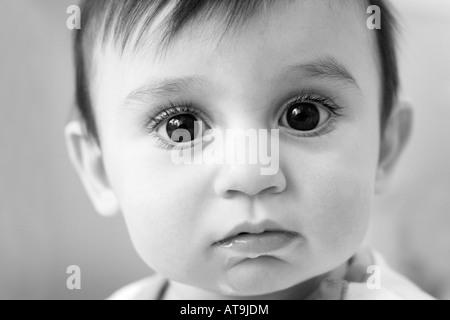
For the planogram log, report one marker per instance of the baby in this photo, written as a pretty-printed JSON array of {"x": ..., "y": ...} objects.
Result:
[{"x": 156, "y": 78}]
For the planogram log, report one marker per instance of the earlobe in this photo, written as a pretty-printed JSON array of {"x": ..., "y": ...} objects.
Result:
[
  {"x": 87, "y": 159},
  {"x": 394, "y": 140}
]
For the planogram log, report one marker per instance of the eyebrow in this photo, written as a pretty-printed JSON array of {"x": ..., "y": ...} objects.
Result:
[
  {"x": 326, "y": 68},
  {"x": 159, "y": 90}
]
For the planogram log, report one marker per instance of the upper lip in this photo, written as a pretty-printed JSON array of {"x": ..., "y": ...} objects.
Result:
[{"x": 254, "y": 228}]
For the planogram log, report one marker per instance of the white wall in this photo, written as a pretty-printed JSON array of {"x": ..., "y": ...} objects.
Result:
[
  {"x": 46, "y": 221},
  {"x": 414, "y": 218}
]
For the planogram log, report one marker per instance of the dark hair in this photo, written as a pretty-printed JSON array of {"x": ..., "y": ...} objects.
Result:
[{"x": 119, "y": 20}]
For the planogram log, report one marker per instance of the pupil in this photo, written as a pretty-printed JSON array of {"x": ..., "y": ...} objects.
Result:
[
  {"x": 184, "y": 121},
  {"x": 303, "y": 116}
]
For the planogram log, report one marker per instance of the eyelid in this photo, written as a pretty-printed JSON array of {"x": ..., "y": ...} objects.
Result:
[
  {"x": 161, "y": 113},
  {"x": 328, "y": 103},
  {"x": 162, "y": 143}
]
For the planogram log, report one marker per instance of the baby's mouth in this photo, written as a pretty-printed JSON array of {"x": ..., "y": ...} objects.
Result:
[
  {"x": 255, "y": 240},
  {"x": 258, "y": 243}
]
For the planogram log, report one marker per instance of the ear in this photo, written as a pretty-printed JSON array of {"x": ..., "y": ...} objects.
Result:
[
  {"x": 393, "y": 142},
  {"x": 86, "y": 157}
]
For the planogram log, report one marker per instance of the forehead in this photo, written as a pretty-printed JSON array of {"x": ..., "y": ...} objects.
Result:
[{"x": 254, "y": 52}]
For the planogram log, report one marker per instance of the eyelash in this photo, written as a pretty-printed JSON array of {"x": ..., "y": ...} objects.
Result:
[
  {"x": 162, "y": 113},
  {"x": 318, "y": 100}
]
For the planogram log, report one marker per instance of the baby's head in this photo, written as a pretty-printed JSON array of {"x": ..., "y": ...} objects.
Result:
[{"x": 312, "y": 69}]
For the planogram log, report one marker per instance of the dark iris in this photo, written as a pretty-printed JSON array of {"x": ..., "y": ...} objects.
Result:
[
  {"x": 184, "y": 121},
  {"x": 303, "y": 116}
]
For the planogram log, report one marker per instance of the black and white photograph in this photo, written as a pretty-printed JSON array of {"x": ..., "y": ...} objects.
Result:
[{"x": 226, "y": 150}]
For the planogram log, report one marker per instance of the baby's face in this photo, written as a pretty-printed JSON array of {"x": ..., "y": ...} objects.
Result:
[{"x": 277, "y": 72}]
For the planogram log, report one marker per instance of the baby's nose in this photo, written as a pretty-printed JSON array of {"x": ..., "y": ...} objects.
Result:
[{"x": 247, "y": 179}]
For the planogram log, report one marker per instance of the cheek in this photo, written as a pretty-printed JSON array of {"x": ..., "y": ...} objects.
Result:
[
  {"x": 341, "y": 201},
  {"x": 161, "y": 204},
  {"x": 334, "y": 188}
]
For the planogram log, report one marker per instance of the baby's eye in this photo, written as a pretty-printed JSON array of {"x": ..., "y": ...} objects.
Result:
[
  {"x": 304, "y": 116},
  {"x": 308, "y": 113},
  {"x": 182, "y": 128}
]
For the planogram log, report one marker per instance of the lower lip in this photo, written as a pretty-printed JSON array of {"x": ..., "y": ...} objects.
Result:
[{"x": 259, "y": 244}]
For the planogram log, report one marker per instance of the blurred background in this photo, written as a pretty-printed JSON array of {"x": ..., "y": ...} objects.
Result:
[{"x": 48, "y": 224}]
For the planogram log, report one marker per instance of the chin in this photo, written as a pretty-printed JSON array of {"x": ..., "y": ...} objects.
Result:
[{"x": 257, "y": 277}]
